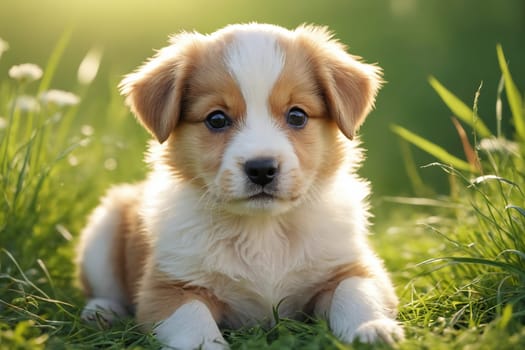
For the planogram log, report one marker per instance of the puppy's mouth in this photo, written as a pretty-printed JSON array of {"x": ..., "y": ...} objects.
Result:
[
  {"x": 262, "y": 196},
  {"x": 267, "y": 196},
  {"x": 262, "y": 201}
]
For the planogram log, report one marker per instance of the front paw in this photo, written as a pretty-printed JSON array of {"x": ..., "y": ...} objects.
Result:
[
  {"x": 103, "y": 312},
  {"x": 384, "y": 329},
  {"x": 191, "y": 327},
  {"x": 184, "y": 343},
  {"x": 359, "y": 312}
]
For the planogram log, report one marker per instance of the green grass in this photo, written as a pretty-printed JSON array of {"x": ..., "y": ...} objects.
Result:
[
  {"x": 474, "y": 279},
  {"x": 457, "y": 259}
]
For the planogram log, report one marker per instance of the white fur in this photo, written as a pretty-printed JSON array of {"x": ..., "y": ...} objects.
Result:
[
  {"x": 357, "y": 311},
  {"x": 191, "y": 327},
  {"x": 96, "y": 248},
  {"x": 255, "y": 60},
  {"x": 252, "y": 263}
]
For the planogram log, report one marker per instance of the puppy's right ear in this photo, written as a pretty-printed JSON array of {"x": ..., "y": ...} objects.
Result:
[{"x": 154, "y": 91}]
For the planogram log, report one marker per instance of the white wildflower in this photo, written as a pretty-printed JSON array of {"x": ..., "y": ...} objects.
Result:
[
  {"x": 499, "y": 145},
  {"x": 84, "y": 142},
  {"x": 4, "y": 46},
  {"x": 26, "y": 72},
  {"x": 88, "y": 69},
  {"x": 59, "y": 97},
  {"x": 72, "y": 160},
  {"x": 110, "y": 164},
  {"x": 27, "y": 103},
  {"x": 3, "y": 123},
  {"x": 87, "y": 130}
]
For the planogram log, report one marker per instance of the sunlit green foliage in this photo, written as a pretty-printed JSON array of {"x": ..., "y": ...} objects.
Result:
[{"x": 476, "y": 276}]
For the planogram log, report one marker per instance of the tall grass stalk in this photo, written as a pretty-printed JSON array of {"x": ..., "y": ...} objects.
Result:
[{"x": 479, "y": 272}]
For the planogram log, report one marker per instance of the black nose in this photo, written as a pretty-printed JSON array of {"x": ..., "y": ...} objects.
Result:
[{"x": 261, "y": 171}]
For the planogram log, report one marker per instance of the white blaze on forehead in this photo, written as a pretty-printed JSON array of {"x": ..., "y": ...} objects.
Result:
[{"x": 255, "y": 61}]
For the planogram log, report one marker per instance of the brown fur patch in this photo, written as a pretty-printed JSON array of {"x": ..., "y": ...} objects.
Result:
[
  {"x": 160, "y": 296},
  {"x": 130, "y": 247},
  {"x": 348, "y": 86},
  {"x": 194, "y": 151},
  {"x": 297, "y": 85},
  {"x": 154, "y": 91},
  {"x": 317, "y": 145}
]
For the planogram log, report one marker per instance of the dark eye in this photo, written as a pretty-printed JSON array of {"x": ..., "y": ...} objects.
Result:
[
  {"x": 296, "y": 118},
  {"x": 218, "y": 121}
]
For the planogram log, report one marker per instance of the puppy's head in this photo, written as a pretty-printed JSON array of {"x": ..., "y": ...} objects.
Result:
[{"x": 252, "y": 114}]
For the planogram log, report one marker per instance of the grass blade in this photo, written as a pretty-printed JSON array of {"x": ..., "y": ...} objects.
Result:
[
  {"x": 460, "y": 109},
  {"x": 22, "y": 174},
  {"x": 425, "y": 202},
  {"x": 54, "y": 60},
  {"x": 513, "y": 251},
  {"x": 485, "y": 178},
  {"x": 432, "y": 148},
  {"x": 411, "y": 169},
  {"x": 499, "y": 107},
  {"x": 513, "y": 95},
  {"x": 479, "y": 261},
  {"x": 518, "y": 209},
  {"x": 470, "y": 154}
]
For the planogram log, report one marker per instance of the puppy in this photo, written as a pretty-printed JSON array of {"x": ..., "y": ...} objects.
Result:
[{"x": 252, "y": 201}]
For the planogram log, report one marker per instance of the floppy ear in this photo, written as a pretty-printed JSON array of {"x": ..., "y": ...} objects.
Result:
[
  {"x": 154, "y": 91},
  {"x": 350, "y": 91},
  {"x": 348, "y": 85}
]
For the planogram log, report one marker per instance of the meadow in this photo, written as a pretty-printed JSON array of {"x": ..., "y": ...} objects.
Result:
[{"x": 450, "y": 216}]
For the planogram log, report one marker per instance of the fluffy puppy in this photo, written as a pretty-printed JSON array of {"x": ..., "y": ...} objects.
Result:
[{"x": 252, "y": 200}]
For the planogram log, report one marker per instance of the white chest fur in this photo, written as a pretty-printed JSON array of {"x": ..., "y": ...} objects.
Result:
[{"x": 254, "y": 263}]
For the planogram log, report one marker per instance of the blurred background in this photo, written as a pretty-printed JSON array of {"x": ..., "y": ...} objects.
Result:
[{"x": 453, "y": 40}]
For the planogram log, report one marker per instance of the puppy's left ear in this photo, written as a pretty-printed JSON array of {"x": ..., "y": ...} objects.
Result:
[
  {"x": 348, "y": 85},
  {"x": 350, "y": 90}
]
